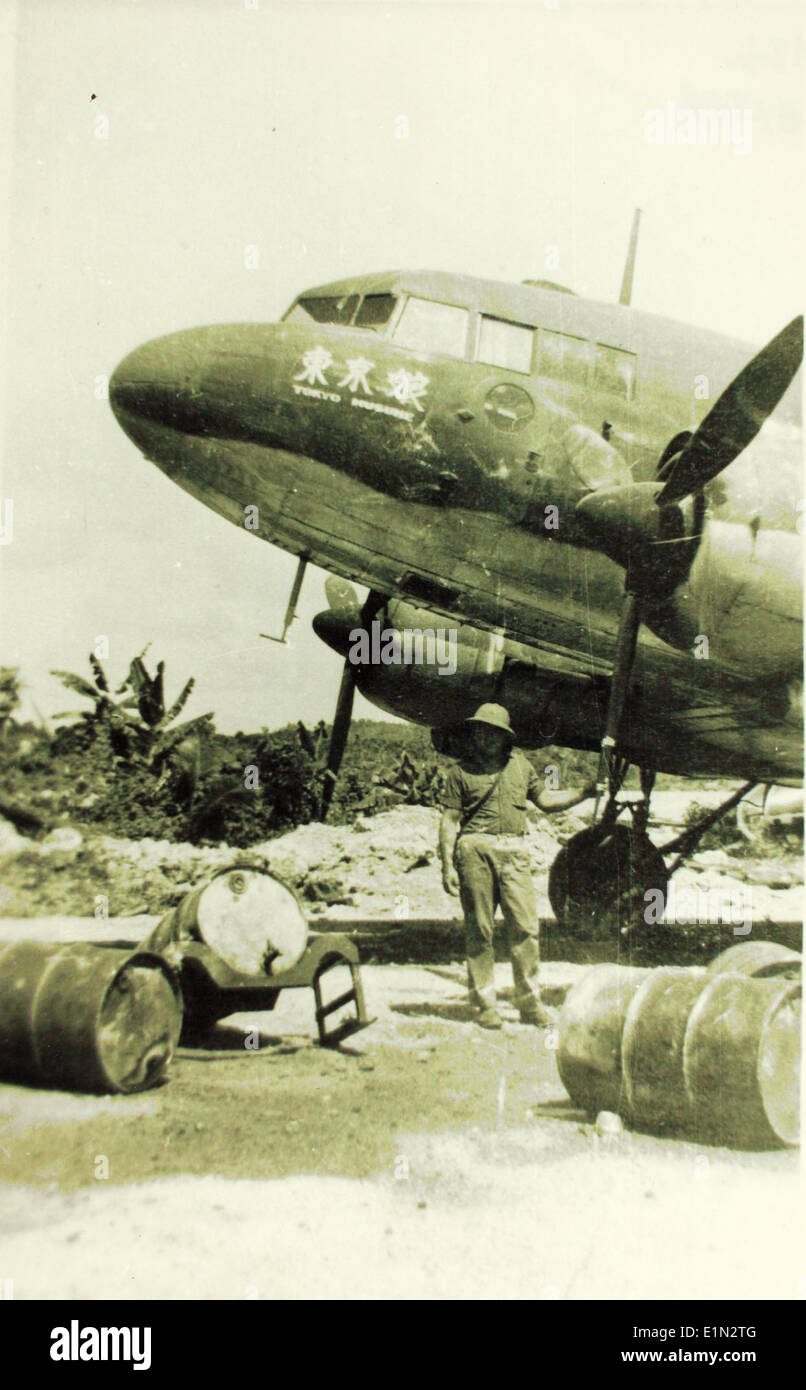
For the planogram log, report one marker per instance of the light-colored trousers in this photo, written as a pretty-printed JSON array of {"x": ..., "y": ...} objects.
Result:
[{"x": 494, "y": 869}]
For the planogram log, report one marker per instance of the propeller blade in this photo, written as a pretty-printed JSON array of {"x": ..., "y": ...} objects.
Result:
[
  {"x": 338, "y": 738},
  {"x": 626, "y": 646},
  {"x": 339, "y": 592},
  {"x": 737, "y": 416},
  {"x": 341, "y": 596}
]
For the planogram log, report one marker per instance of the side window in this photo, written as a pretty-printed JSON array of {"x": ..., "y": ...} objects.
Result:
[
  {"x": 505, "y": 344},
  {"x": 323, "y": 309},
  {"x": 565, "y": 357},
  {"x": 614, "y": 371},
  {"x": 430, "y": 327},
  {"x": 375, "y": 311}
]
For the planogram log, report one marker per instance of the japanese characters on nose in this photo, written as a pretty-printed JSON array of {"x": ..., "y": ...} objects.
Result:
[{"x": 322, "y": 378}]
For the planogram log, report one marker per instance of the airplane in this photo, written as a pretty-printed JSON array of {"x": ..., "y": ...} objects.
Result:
[{"x": 599, "y": 502}]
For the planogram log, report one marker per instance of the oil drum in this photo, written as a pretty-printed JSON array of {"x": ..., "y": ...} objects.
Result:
[
  {"x": 86, "y": 1017},
  {"x": 591, "y": 1024},
  {"x": 250, "y": 919},
  {"x": 652, "y": 1049},
  {"x": 741, "y": 1060}
]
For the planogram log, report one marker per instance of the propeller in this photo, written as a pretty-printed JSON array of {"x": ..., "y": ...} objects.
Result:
[
  {"x": 338, "y": 738},
  {"x": 343, "y": 600},
  {"x": 644, "y": 527},
  {"x": 654, "y": 545},
  {"x": 647, "y": 527},
  {"x": 736, "y": 418}
]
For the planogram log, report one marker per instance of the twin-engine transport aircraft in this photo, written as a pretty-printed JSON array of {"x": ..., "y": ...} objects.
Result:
[{"x": 583, "y": 492}]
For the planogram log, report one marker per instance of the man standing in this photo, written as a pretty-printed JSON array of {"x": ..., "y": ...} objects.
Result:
[{"x": 484, "y": 859}]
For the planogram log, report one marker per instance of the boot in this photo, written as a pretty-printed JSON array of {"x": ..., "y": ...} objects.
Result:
[{"x": 536, "y": 1013}]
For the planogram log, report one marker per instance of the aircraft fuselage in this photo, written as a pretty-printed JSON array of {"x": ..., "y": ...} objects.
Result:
[{"x": 433, "y": 441}]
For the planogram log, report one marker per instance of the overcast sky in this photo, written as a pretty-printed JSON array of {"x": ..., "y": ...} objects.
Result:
[{"x": 274, "y": 126}]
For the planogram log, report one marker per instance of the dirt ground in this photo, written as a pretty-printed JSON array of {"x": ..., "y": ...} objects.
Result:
[{"x": 424, "y": 1159}]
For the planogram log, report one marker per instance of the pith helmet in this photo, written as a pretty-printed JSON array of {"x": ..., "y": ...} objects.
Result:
[{"x": 495, "y": 715}]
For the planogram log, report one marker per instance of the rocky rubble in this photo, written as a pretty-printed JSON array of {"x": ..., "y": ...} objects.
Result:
[{"x": 383, "y": 865}]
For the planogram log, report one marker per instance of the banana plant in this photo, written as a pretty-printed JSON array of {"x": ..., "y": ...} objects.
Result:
[
  {"x": 9, "y": 694},
  {"x": 183, "y": 749}
]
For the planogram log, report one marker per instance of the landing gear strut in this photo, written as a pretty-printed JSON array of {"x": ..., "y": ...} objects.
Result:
[{"x": 599, "y": 880}]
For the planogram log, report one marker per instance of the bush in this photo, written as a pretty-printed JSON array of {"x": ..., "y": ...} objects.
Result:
[{"x": 83, "y": 774}]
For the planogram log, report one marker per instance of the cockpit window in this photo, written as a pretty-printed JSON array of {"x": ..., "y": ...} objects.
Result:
[
  {"x": 505, "y": 344},
  {"x": 614, "y": 371},
  {"x": 375, "y": 311},
  {"x": 323, "y": 309},
  {"x": 430, "y": 327},
  {"x": 565, "y": 357}
]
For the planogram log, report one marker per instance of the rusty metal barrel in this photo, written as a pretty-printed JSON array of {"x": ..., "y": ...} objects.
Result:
[
  {"x": 652, "y": 1043},
  {"x": 591, "y": 1025},
  {"x": 714, "y": 1053},
  {"x": 741, "y": 1060},
  {"x": 249, "y": 918},
  {"x": 757, "y": 958},
  {"x": 86, "y": 1017}
]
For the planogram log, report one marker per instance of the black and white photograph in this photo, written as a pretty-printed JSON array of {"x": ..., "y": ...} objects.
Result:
[{"x": 401, "y": 662}]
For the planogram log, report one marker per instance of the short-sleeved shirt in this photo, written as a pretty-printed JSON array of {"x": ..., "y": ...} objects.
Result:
[{"x": 504, "y": 811}]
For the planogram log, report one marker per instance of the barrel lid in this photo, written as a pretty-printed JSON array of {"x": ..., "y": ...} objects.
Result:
[
  {"x": 757, "y": 958},
  {"x": 252, "y": 920},
  {"x": 778, "y": 1067}
]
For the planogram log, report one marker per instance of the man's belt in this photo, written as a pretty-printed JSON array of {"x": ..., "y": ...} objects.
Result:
[{"x": 495, "y": 834}]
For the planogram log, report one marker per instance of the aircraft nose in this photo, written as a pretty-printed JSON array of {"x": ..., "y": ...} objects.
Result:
[{"x": 159, "y": 381}]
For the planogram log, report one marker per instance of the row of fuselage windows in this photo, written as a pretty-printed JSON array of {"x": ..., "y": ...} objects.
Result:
[{"x": 425, "y": 325}]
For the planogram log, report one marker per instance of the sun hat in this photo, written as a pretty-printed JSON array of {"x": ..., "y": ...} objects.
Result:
[{"x": 495, "y": 715}]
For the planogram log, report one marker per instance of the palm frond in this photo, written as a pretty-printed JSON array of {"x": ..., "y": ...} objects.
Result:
[
  {"x": 168, "y": 739},
  {"x": 78, "y": 684},
  {"x": 177, "y": 706},
  {"x": 100, "y": 674}
]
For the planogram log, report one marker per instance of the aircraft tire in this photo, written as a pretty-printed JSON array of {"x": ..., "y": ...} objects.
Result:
[{"x": 597, "y": 883}]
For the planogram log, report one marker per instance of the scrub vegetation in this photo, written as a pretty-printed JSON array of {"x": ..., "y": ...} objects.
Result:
[{"x": 127, "y": 765}]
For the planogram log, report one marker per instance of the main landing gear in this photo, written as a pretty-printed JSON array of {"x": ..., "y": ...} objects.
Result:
[{"x": 604, "y": 880}]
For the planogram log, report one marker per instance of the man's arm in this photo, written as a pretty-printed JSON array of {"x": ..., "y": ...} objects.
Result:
[
  {"x": 550, "y": 801},
  {"x": 563, "y": 801},
  {"x": 448, "y": 831}
]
